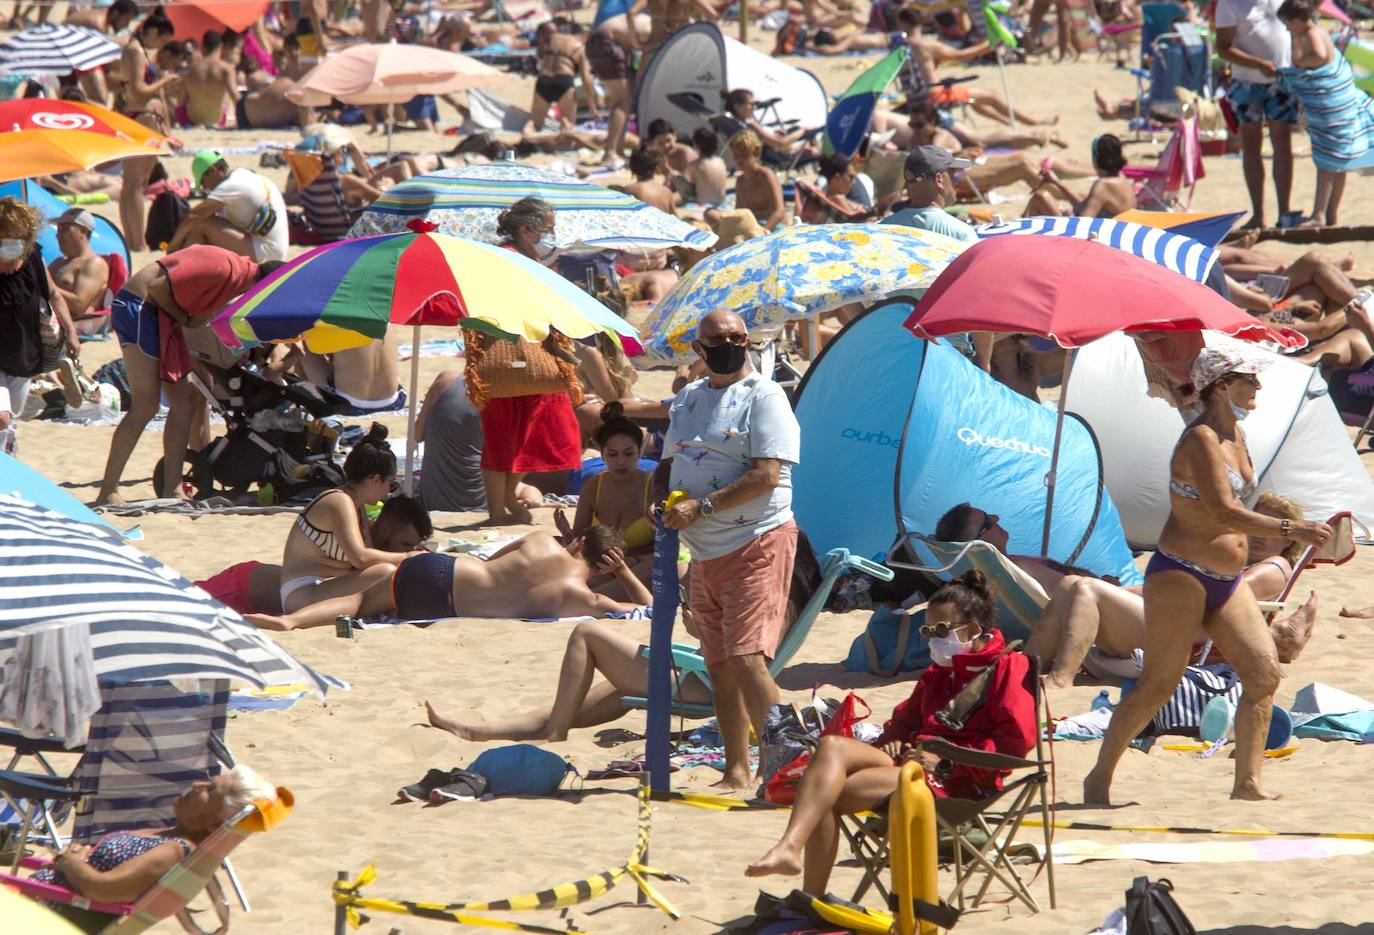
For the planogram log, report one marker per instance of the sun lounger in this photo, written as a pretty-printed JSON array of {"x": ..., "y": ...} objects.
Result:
[
  {"x": 687, "y": 658},
  {"x": 171, "y": 895}
]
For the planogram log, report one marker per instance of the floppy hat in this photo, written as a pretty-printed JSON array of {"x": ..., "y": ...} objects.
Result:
[{"x": 1213, "y": 363}]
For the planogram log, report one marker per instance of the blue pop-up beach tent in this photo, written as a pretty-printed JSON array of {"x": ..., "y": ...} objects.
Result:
[
  {"x": 896, "y": 430},
  {"x": 106, "y": 239}
]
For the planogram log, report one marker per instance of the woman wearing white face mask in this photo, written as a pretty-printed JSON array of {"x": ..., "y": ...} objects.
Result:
[
  {"x": 32, "y": 314},
  {"x": 527, "y": 228},
  {"x": 1194, "y": 579},
  {"x": 847, "y": 776}
]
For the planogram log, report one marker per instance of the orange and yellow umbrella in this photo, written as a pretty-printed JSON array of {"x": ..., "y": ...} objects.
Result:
[{"x": 44, "y": 137}]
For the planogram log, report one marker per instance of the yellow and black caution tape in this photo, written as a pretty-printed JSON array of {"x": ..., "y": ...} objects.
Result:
[
  {"x": 1253, "y": 832},
  {"x": 347, "y": 895}
]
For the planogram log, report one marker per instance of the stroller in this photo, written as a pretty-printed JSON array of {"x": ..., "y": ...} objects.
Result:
[{"x": 278, "y": 435}]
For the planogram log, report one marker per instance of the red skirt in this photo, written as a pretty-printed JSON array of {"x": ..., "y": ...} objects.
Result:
[{"x": 524, "y": 434}]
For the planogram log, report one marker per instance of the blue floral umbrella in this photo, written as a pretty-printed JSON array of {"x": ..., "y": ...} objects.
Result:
[{"x": 796, "y": 273}]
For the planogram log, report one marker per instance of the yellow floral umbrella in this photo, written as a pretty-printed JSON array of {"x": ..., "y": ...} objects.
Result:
[{"x": 796, "y": 273}]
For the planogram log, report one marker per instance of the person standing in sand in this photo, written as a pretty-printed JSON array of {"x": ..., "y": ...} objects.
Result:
[
  {"x": 732, "y": 440},
  {"x": 562, "y": 60},
  {"x": 211, "y": 86},
  {"x": 111, "y": 21},
  {"x": 1194, "y": 578},
  {"x": 143, "y": 98},
  {"x": 665, "y": 18}
]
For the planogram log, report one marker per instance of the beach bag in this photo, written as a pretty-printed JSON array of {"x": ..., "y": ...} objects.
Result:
[
  {"x": 891, "y": 643},
  {"x": 1182, "y": 714},
  {"x": 516, "y": 369},
  {"x": 781, "y": 787},
  {"x": 1151, "y": 910},
  {"x": 116, "y": 376},
  {"x": 165, "y": 215},
  {"x": 521, "y": 769}
]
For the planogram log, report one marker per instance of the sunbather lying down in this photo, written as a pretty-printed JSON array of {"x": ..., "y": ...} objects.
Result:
[
  {"x": 533, "y": 577},
  {"x": 123, "y": 864}
]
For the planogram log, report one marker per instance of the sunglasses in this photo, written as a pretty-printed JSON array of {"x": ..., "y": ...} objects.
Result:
[
  {"x": 1250, "y": 378},
  {"x": 739, "y": 340},
  {"x": 989, "y": 520},
  {"x": 939, "y": 630}
]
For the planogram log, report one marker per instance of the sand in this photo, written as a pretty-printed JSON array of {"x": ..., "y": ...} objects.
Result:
[{"x": 345, "y": 757}]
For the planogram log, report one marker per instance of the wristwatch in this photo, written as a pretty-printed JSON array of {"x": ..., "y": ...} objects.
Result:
[{"x": 706, "y": 506}]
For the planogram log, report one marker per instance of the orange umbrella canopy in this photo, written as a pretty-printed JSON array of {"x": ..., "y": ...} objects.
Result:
[
  {"x": 44, "y": 137},
  {"x": 193, "y": 20},
  {"x": 386, "y": 73}
]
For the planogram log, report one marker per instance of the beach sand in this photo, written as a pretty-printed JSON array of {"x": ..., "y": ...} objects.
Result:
[{"x": 345, "y": 757}]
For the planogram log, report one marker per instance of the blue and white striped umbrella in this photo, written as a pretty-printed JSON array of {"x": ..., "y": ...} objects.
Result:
[
  {"x": 56, "y": 49},
  {"x": 1181, "y": 254},
  {"x": 146, "y": 621}
]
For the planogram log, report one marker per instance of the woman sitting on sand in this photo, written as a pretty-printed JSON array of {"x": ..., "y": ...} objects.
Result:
[
  {"x": 1111, "y": 193},
  {"x": 125, "y": 864},
  {"x": 848, "y": 776},
  {"x": 329, "y": 551},
  {"x": 619, "y": 497},
  {"x": 1086, "y": 613}
]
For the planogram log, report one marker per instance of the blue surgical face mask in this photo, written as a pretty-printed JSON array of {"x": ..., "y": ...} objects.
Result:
[
  {"x": 546, "y": 246},
  {"x": 1239, "y": 412}
]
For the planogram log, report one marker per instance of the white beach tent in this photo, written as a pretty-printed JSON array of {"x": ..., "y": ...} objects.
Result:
[
  {"x": 1299, "y": 445},
  {"x": 699, "y": 59}
]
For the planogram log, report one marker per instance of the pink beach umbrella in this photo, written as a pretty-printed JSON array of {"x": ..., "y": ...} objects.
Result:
[{"x": 389, "y": 73}]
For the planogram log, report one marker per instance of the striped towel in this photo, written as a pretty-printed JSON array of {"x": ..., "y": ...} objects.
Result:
[{"x": 1340, "y": 117}]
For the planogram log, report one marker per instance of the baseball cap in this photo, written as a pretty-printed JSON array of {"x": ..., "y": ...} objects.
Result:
[
  {"x": 203, "y": 160},
  {"x": 1213, "y": 363},
  {"x": 925, "y": 161},
  {"x": 78, "y": 216}
]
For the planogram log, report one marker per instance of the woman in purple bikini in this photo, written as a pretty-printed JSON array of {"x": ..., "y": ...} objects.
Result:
[{"x": 1194, "y": 576}]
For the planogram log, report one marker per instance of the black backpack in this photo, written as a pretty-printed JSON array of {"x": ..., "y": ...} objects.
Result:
[
  {"x": 165, "y": 215},
  {"x": 1151, "y": 910}
]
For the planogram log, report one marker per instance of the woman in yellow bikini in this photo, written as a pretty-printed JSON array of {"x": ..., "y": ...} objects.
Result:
[{"x": 620, "y": 497}]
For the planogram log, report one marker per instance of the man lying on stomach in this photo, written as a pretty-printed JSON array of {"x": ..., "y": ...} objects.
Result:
[{"x": 532, "y": 578}]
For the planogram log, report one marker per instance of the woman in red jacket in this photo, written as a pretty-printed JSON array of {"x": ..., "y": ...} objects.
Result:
[{"x": 847, "y": 776}]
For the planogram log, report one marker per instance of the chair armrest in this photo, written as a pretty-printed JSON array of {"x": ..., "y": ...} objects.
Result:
[
  {"x": 35, "y": 786},
  {"x": 685, "y": 657},
  {"x": 982, "y": 759},
  {"x": 868, "y": 567},
  {"x": 28, "y": 746},
  {"x": 1271, "y": 607}
]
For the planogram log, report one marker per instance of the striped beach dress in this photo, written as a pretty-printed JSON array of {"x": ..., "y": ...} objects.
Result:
[{"x": 1340, "y": 117}]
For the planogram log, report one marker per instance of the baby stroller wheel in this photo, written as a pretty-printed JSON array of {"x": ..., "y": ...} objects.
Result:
[{"x": 198, "y": 478}]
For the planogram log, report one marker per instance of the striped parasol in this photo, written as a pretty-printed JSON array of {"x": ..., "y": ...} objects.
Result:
[
  {"x": 56, "y": 49},
  {"x": 466, "y": 202},
  {"x": 1176, "y": 252},
  {"x": 146, "y": 621}
]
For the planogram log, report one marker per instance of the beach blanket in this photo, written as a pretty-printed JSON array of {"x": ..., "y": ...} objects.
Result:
[
  {"x": 276, "y": 697},
  {"x": 1209, "y": 852},
  {"x": 1327, "y": 713},
  {"x": 1340, "y": 117},
  {"x": 206, "y": 507}
]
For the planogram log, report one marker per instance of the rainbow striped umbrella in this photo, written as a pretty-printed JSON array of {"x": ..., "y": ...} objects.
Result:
[{"x": 345, "y": 294}]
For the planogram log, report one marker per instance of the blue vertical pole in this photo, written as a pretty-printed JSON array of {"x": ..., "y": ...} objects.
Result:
[{"x": 660, "y": 693}]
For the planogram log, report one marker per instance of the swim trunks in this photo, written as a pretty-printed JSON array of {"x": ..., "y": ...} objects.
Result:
[
  {"x": 1254, "y": 102},
  {"x": 553, "y": 88},
  {"x": 135, "y": 322},
  {"x": 422, "y": 587}
]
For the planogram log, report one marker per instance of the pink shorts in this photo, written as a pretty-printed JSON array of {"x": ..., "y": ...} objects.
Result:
[{"x": 739, "y": 601}]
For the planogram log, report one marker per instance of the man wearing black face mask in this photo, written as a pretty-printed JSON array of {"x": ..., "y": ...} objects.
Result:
[{"x": 732, "y": 440}]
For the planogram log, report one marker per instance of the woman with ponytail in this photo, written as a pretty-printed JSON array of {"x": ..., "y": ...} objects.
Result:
[{"x": 848, "y": 776}]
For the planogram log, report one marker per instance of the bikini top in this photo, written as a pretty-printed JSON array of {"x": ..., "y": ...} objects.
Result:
[
  {"x": 640, "y": 533},
  {"x": 1241, "y": 489},
  {"x": 324, "y": 540}
]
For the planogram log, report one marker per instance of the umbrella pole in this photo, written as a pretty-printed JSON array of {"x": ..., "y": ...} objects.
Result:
[
  {"x": 412, "y": 404},
  {"x": 390, "y": 118},
  {"x": 1006, "y": 88},
  {"x": 1052, "y": 476}
]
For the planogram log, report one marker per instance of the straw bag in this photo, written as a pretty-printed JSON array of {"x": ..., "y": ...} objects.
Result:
[{"x": 510, "y": 369}]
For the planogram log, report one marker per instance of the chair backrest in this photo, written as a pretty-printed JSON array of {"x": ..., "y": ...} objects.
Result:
[
  {"x": 178, "y": 886},
  {"x": 835, "y": 564},
  {"x": 1339, "y": 549},
  {"x": 1020, "y": 598}
]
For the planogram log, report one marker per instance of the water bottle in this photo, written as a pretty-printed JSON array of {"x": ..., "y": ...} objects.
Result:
[{"x": 1103, "y": 700}]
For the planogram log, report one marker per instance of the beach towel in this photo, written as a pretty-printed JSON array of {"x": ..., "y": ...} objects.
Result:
[
  {"x": 1340, "y": 117},
  {"x": 1210, "y": 852}
]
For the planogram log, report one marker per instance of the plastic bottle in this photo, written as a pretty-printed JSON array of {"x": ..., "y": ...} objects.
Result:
[{"x": 1103, "y": 700}]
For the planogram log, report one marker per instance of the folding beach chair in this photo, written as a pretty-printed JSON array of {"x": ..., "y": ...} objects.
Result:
[
  {"x": 1020, "y": 598},
  {"x": 1180, "y": 58},
  {"x": 96, "y": 324},
  {"x": 687, "y": 659},
  {"x": 1339, "y": 549},
  {"x": 726, "y": 125},
  {"x": 981, "y": 833},
  {"x": 172, "y": 894},
  {"x": 1180, "y": 166}
]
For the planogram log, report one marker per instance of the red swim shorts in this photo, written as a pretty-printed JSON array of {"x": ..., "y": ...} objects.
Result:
[{"x": 739, "y": 601}]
